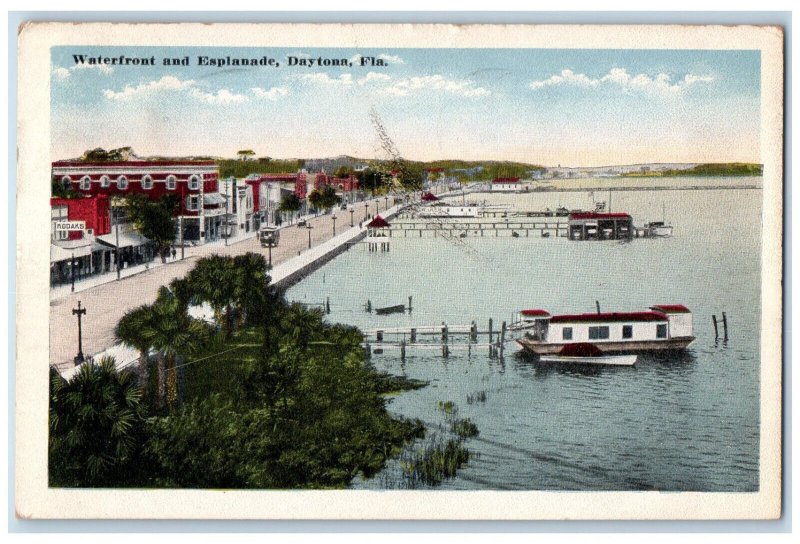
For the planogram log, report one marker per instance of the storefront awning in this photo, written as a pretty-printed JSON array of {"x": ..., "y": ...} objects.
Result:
[
  {"x": 126, "y": 239},
  {"x": 58, "y": 253},
  {"x": 213, "y": 199}
]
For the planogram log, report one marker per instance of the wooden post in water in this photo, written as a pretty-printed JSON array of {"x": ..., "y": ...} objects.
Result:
[
  {"x": 328, "y": 305},
  {"x": 445, "y": 351},
  {"x": 724, "y": 326},
  {"x": 490, "y": 330},
  {"x": 403, "y": 349},
  {"x": 409, "y": 304},
  {"x": 473, "y": 332},
  {"x": 413, "y": 335},
  {"x": 502, "y": 339},
  {"x": 716, "y": 330}
]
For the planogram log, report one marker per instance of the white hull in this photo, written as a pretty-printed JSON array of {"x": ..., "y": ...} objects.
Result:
[
  {"x": 661, "y": 232},
  {"x": 614, "y": 360}
]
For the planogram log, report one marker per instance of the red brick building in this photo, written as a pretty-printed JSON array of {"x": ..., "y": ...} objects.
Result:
[{"x": 194, "y": 182}]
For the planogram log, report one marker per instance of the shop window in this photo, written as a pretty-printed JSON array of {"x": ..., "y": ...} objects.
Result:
[
  {"x": 566, "y": 333},
  {"x": 661, "y": 331},
  {"x": 598, "y": 333},
  {"x": 627, "y": 331}
]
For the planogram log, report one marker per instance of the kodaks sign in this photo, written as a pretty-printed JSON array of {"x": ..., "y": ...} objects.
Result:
[{"x": 70, "y": 225}]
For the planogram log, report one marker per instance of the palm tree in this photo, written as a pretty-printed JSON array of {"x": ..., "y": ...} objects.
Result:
[
  {"x": 250, "y": 285},
  {"x": 212, "y": 280},
  {"x": 175, "y": 335},
  {"x": 130, "y": 331},
  {"x": 96, "y": 427}
]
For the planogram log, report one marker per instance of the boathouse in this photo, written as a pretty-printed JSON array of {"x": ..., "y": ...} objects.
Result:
[{"x": 600, "y": 226}]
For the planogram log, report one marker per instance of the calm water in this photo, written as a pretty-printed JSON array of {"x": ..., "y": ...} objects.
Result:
[{"x": 687, "y": 422}]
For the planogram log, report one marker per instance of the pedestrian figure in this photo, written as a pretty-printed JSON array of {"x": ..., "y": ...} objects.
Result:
[{"x": 173, "y": 253}]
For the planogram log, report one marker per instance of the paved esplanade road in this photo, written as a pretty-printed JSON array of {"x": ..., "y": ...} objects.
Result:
[{"x": 106, "y": 303}]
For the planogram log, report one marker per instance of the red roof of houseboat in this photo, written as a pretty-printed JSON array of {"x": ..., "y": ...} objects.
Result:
[
  {"x": 378, "y": 223},
  {"x": 671, "y": 308},
  {"x": 595, "y": 215},
  {"x": 535, "y": 312},
  {"x": 609, "y": 317},
  {"x": 430, "y": 197}
]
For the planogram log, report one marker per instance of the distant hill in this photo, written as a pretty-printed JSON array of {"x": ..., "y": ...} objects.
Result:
[{"x": 707, "y": 170}]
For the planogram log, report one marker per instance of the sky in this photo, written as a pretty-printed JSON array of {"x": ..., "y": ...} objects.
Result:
[{"x": 568, "y": 107}]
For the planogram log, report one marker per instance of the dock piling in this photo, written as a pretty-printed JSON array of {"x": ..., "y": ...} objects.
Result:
[
  {"x": 716, "y": 330},
  {"x": 724, "y": 327},
  {"x": 490, "y": 330},
  {"x": 502, "y": 339}
]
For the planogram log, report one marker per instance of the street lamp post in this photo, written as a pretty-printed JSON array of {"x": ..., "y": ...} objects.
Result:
[
  {"x": 269, "y": 246},
  {"x": 79, "y": 312},
  {"x": 308, "y": 228},
  {"x": 351, "y": 216},
  {"x": 386, "y": 203},
  {"x": 366, "y": 210},
  {"x": 334, "y": 224},
  {"x": 72, "y": 271}
]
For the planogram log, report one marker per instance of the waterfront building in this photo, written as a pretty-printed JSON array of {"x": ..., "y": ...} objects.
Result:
[
  {"x": 239, "y": 209},
  {"x": 506, "y": 184},
  {"x": 193, "y": 181},
  {"x": 600, "y": 226},
  {"x": 85, "y": 239}
]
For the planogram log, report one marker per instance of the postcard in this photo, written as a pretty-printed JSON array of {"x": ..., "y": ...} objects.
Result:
[{"x": 463, "y": 272}]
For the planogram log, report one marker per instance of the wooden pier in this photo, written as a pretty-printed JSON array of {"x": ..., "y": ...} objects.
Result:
[
  {"x": 468, "y": 228},
  {"x": 443, "y": 338}
]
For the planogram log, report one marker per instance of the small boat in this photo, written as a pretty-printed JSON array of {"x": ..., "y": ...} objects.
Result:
[
  {"x": 515, "y": 234},
  {"x": 545, "y": 234},
  {"x": 658, "y": 229},
  {"x": 397, "y": 309},
  {"x": 587, "y": 354}
]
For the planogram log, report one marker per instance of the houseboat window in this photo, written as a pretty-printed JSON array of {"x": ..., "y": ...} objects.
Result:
[
  {"x": 566, "y": 333},
  {"x": 661, "y": 331},
  {"x": 627, "y": 331},
  {"x": 598, "y": 333}
]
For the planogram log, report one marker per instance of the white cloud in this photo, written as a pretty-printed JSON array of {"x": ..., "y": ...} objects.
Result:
[
  {"x": 62, "y": 74},
  {"x": 660, "y": 84},
  {"x": 373, "y": 76},
  {"x": 222, "y": 96},
  {"x": 437, "y": 82},
  {"x": 166, "y": 83},
  {"x": 392, "y": 59},
  {"x": 275, "y": 93}
]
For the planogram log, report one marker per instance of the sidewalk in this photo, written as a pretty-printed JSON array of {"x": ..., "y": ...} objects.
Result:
[
  {"x": 107, "y": 300},
  {"x": 60, "y": 291}
]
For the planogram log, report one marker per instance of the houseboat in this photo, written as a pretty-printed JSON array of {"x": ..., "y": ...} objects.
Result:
[{"x": 662, "y": 327}]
